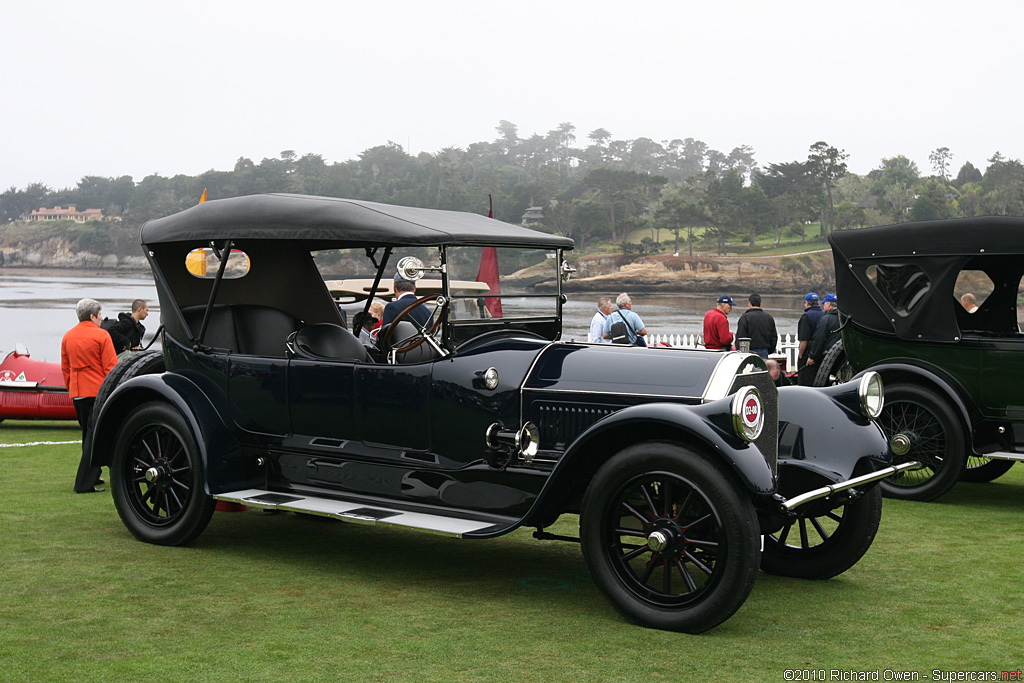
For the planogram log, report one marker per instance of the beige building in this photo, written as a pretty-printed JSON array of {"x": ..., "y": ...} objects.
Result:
[{"x": 59, "y": 213}]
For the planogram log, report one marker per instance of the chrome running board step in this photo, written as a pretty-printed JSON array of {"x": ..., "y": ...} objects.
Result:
[
  {"x": 826, "y": 491},
  {"x": 1003, "y": 455},
  {"x": 360, "y": 513}
]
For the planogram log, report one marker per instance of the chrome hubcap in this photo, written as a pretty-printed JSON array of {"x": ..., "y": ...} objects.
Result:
[
  {"x": 152, "y": 475},
  {"x": 900, "y": 444}
]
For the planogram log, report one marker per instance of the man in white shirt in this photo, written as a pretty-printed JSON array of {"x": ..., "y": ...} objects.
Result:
[{"x": 604, "y": 309}]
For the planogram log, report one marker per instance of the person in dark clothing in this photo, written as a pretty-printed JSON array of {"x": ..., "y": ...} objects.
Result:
[
  {"x": 775, "y": 372},
  {"x": 825, "y": 335},
  {"x": 128, "y": 331},
  {"x": 804, "y": 332},
  {"x": 405, "y": 296},
  {"x": 758, "y": 326}
]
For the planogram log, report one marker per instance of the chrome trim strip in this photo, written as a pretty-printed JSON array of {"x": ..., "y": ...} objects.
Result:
[
  {"x": 826, "y": 491},
  {"x": 613, "y": 393},
  {"x": 1002, "y": 455},
  {"x": 723, "y": 375}
]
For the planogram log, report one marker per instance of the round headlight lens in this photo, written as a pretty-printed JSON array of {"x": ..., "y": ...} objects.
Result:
[
  {"x": 747, "y": 413},
  {"x": 490, "y": 378},
  {"x": 872, "y": 394}
]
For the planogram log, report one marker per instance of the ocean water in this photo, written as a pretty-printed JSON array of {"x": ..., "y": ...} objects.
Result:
[{"x": 38, "y": 306}]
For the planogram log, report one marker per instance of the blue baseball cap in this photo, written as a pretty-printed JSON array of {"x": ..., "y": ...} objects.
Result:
[
  {"x": 811, "y": 296},
  {"x": 830, "y": 298},
  {"x": 726, "y": 299}
]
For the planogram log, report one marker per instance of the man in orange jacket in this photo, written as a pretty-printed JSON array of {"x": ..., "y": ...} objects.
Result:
[{"x": 86, "y": 356}]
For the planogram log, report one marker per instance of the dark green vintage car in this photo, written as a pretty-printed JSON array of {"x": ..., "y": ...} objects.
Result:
[{"x": 934, "y": 307}]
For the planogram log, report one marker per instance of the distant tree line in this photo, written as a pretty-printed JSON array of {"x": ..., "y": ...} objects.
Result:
[{"x": 601, "y": 190}]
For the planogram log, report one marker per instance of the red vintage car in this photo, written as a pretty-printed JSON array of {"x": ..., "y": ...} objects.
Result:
[{"x": 32, "y": 389}]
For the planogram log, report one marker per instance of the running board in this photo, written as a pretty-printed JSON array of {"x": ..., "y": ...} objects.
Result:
[
  {"x": 360, "y": 513},
  {"x": 826, "y": 491},
  {"x": 1003, "y": 455}
]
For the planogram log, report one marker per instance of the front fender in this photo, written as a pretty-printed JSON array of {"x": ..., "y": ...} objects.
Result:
[
  {"x": 709, "y": 425},
  {"x": 823, "y": 430},
  {"x": 228, "y": 470}
]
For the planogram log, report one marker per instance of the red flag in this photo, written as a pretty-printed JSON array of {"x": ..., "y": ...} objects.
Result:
[{"x": 489, "y": 273}]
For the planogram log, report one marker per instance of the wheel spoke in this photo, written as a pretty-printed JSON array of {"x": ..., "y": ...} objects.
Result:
[
  {"x": 785, "y": 533},
  {"x": 819, "y": 528},
  {"x": 700, "y": 565},
  {"x": 640, "y": 550},
  {"x": 650, "y": 502},
  {"x": 666, "y": 577},
  {"x": 686, "y": 575},
  {"x": 803, "y": 534},
  {"x": 689, "y": 526},
  {"x": 649, "y": 570},
  {"x": 831, "y": 514},
  {"x": 623, "y": 531},
  {"x": 686, "y": 502},
  {"x": 636, "y": 513}
]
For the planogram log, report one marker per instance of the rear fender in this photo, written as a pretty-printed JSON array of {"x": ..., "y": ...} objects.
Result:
[
  {"x": 823, "y": 430},
  {"x": 228, "y": 470}
]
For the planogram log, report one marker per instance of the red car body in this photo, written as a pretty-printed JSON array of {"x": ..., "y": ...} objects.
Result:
[{"x": 33, "y": 389}]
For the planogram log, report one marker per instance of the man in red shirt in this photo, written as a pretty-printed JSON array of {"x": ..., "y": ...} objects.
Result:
[
  {"x": 86, "y": 356},
  {"x": 717, "y": 336}
]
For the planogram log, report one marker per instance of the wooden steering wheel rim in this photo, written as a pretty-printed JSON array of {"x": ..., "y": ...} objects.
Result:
[{"x": 423, "y": 334}]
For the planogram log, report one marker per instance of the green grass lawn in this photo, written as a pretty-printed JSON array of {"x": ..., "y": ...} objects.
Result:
[{"x": 262, "y": 597}]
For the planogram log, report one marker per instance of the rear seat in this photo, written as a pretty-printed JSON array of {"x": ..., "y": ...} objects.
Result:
[{"x": 244, "y": 328}]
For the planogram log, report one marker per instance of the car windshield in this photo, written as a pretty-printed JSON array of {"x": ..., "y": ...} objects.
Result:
[{"x": 502, "y": 282}]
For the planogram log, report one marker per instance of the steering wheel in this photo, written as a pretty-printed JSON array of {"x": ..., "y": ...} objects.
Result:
[{"x": 422, "y": 332}]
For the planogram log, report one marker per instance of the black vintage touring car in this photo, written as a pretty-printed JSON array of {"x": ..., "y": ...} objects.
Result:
[
  {"x": 479, "y": 421},
  {"x": 935, "y": 308}
]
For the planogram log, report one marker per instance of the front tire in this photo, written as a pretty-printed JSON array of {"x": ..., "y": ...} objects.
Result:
[
  {"x": 670, "y": 539},
  {"x": 157, "y": 478},
  {"x": 821, "y": 543},
  {"x": 936, "y": 439}
]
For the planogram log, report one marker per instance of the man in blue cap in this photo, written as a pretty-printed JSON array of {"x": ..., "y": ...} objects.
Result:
[
  {"x": 825, "y": 335},
  {"x": 405, "y": 295},
  {"x": 717, "y": 336},
  {"x": 804, "y": 332}
]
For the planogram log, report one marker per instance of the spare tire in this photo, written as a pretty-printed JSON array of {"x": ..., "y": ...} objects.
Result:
[{"x": 139, "y": 363}]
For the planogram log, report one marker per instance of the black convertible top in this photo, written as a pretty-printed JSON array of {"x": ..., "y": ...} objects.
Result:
[
  {"x": 984, "y": 235},
  {"x": 328, "y": 219},
  {"x": 899, "y": 279}
]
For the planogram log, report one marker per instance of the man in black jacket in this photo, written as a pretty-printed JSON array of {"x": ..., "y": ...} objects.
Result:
[
  {"x": 128, "y": 331},
  {"x": 758, "y": 326},
  {"x": 825, "y": 335}
]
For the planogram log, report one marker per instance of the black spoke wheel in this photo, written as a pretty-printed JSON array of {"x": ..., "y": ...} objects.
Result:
[
  {"x": 822, "y": 542},
  {"x": 981, "y": 470},
  {"x": 921, "y": 426},
  {"x": 669, "y": 538},
  {"x": 157, "y": 478}
]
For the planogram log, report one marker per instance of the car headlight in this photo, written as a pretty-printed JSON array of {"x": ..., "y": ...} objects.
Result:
[
  {"x": 872, "y": 394},
  {"x": 747, "y": 413}
]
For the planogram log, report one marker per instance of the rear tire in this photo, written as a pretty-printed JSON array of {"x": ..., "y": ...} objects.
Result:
[
  {"x": 157, "y": 477},
  {"x": 670, "y": 539},
  {"x": 982, "y": 470},
  {"x": 140, "y": 363},
  {"x": 835, "y": 367},
  {"x": 937, "y": 440}
]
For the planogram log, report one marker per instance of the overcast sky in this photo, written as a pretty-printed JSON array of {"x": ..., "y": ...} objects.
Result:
[{"x": 113, "y": 88}]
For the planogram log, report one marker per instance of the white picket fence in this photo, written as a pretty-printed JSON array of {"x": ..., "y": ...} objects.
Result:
[{"x": 788, "y": 345}]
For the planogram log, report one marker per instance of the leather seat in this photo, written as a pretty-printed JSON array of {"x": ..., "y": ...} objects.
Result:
[{"x": 326, "y": 341}]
